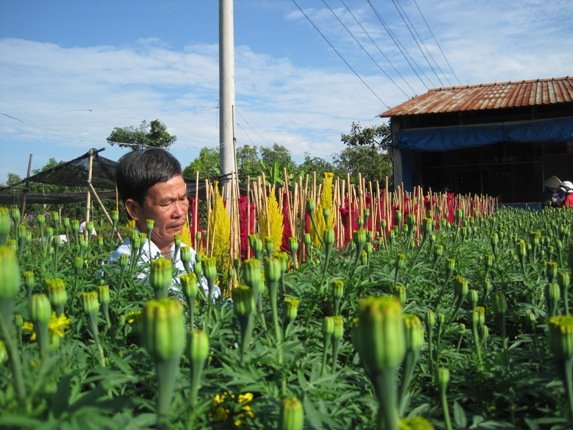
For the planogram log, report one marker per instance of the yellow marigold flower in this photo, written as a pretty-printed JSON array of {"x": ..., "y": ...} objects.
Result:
[
  {"x": 58, "y": 325},
  {"x": 245, "y": 398},
  {"x": 132, "y": 317},
  {"x": 220, "y": 414},
  {"x": 271, "y": 223}
]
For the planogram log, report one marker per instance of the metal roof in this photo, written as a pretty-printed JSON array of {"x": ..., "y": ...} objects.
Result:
[{"x": 499, "y": 95}]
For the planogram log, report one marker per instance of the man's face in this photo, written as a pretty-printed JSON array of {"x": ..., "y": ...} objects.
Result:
[{"x": 166, "y": 203}]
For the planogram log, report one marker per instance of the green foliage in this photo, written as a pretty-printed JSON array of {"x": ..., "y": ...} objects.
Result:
[
  {"x": 516, "y": 384},
  {"x": 153, "y": 134},
  {"x": 207, "y": 164},
  {"x": 370, "y": 161},
  {"x": 380, "y": 136}
]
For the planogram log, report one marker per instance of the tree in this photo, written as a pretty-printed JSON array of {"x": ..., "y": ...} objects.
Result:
[
  {"x": 207, "y": 164},
  {"x": 367, "y": 152},
  {"x": 249, "y": 164},
  {"x": 380, "y": 136},
  {"x": 370, "y": 161},
  {"x": 147, "y": 135},
  {"x": 314, "y": 164}
]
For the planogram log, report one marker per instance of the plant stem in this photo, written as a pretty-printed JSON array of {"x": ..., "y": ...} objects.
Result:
[
  {"x": 15, "y": 363},
  {"x": 166, "y": 374},
  {"x": 385, "y": 386}
]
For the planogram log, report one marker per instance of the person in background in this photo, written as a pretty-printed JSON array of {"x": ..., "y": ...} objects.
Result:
[
  {"x": 151, "y": 186},
  {"x": 567, "y": 187}
]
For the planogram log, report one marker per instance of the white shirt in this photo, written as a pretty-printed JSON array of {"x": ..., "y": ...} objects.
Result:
[{"x": 125, "y": 249}]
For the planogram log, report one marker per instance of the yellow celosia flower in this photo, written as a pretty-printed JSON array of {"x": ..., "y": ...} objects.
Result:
[
  {"x": 271, "y": 224},
  {"x": 245, "y": 398},
  {"x": 326, "y": 202},
  {"x": 220, "y": 231},
  {"x": 186, "y": 235}
]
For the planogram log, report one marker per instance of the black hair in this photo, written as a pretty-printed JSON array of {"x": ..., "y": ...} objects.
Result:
[{"x": 138, "y": 171}]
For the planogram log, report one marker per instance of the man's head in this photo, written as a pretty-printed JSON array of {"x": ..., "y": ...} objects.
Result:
[{"x": 152, "y": 187}]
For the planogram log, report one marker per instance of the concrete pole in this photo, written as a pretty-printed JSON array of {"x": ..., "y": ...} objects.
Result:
[{"x": 226, "y": 91}]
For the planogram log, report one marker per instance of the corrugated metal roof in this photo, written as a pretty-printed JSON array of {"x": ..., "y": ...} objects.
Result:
[{"x": 499, "y": 95}]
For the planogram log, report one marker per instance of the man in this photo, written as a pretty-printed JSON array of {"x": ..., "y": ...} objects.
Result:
[{"x": 151, "y": 186}]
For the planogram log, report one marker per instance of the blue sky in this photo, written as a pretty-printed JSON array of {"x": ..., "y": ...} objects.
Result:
[{"x": 71, "y": 71}]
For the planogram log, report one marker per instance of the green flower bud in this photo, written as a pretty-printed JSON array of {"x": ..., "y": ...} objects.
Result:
[
  {"x": 293, "y": 245},
  {"x": 78, "y": 263},
  {"x": 292, "y": 414},
  {"x": 291, "y": 308},
  {"x": 380, "y": 333},
  {"x": 243, "y": 300},
  {"x": 328, "y": 236},
  {"x": 400, "y": 292},
  {"x": 41, "y": 218},
  {"x": 461, "y": 287},
  {"x": 488, "y": 261},
  {"x": 337, "y": 288},
  {"x": 199, "y": 346},
  {"x": 400, "y": 261},
  {"x": 256, "y": 244},
  {"x": 326, "y": 215},
  {"x": 149, "y": 224},
  {"x": 269, "y": 246},
  {"x": 177, "y": 240},
  {"x": 185, "y": 253},
  {"x": 561, "y": 336},
  {"x": 4, "y": 225},
  {"x": 522, "y": 248},
  {"x": 474, "y": 297},
  {"x": 283, "y": 258},
  {"x": 500, "y": 303},
  {"x": 415, "y": 423},
  {"x": 164, "y": 329},
  {"x": 307, "y": 240},
  {"x": 359, "y": 237},
  {"x": 103, "y": 294},
  {"x": 3, "y": 352},
  {"x": 161, "y": 275},
  {"x": 90, "y": 302},
  {"x": 115, "y": 216},
  {"x": 189, "y": 285},
  {"x": 398, "y": 216},
  {"x": 272, "y": 269},
  {"x": 430, "y": 319},
  {"x": 478, "y": 316},
  {"x": 15, "y": 215},
  {"x": 414, "y": 332},
  {"x": 40, "y": 309},
  {"x": 443, "y": 378},
  {"x": 551, "y": 270},
  {"x": 198, "y": 269},
  {"x": 360, "y": 221},
  {"x": 252, "y": 269},
  {"x": 438, "y": 251},
  {"x": 563, "y": 279},
  {"x": 338, "y": 327},
  {"x": 327, "y": 327},
  {"x": 210, "y": 268},
  {"x": 57, "y": 292},
  {"x": 450, "y": 266},
  {"x": 311, "y": 206},
  {"x": 9, "y": 273},
  {"x": 123, "y": 260}
]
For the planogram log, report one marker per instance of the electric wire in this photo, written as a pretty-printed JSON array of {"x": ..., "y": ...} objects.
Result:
[
  {"x": 339, "y": 54},
  {"x": 378, "y": 48},
  {"x": 437, "y": 43},
  {"x": 402, "y": 50},
  {"x": 364, "y": 49},
  {"x": 418, "y": 40}
]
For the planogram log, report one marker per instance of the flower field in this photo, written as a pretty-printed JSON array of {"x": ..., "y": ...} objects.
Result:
[{"x": 397, "y": 313}]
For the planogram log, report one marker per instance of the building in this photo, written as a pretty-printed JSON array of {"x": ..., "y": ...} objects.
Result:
[{"x": 501, "y": 139}]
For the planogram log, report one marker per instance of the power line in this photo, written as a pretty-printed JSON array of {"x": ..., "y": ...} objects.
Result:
[
  {"x": 437, "y": 43},
  {"x": 378, "y": 47},
  {"x": 417, "y": 40},
  {"x": 402, "y": 50},
  {"x": 364, "y": 49},
  {"x": 339, "y": 54}
]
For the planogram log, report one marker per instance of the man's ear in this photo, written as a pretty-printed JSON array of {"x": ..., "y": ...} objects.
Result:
[{"x": 133, "y": 209}]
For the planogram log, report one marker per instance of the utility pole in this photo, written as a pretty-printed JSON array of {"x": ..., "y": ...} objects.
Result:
[{"x": 226, "y": 93}]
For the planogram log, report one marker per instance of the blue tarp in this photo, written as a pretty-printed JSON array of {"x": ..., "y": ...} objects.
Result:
[{"x": 469, "y": 136}]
